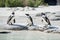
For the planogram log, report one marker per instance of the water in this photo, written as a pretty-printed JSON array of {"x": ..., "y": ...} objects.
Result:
[{"x": 29, "y": 35}]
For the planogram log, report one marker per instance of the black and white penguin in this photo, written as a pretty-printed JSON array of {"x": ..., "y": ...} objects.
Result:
[
  {"x": 30, "y": 18},
  {"x": 11, "y": 19},
  {"x": 45, "y": 18}
]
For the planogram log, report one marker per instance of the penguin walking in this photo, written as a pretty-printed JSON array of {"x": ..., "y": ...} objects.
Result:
[
  {"x": 11, "y": 19},
  {"x": 45, "y": 18},
  {"x": 30, "y": 20}
]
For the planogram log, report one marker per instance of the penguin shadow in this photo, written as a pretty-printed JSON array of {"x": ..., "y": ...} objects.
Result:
[{"x": 20, "y": 27}]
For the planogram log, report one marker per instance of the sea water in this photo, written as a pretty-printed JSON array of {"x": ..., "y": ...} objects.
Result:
[{"x": 29, "y": 35}]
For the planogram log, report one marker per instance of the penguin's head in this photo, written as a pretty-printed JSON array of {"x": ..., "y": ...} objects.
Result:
[
  {"x": 42, "y": 14},
  {"x": 27, "y": 14},
  {"x": 13, "y": 13}
]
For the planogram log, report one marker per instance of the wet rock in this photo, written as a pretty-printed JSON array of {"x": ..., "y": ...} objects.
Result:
[{"x": 4, "y": 32}]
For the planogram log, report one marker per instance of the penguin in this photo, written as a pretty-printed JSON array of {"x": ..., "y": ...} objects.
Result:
[
  {"x": 45, "y": 18},
  {"x": 11, "y": 19},
  {"x": 30, "y": 18}
]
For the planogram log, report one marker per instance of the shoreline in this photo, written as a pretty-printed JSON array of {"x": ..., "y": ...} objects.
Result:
[{"x": 39, "y": 31}]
